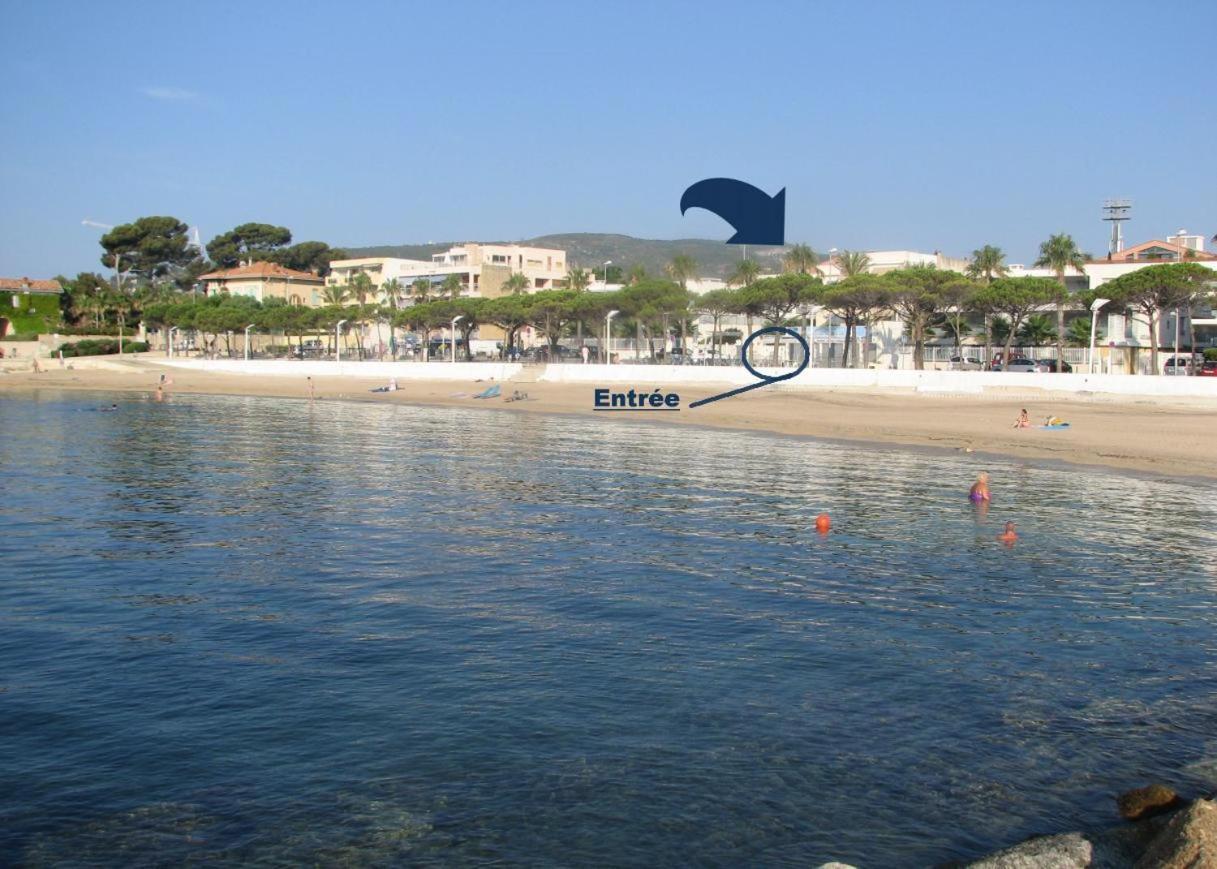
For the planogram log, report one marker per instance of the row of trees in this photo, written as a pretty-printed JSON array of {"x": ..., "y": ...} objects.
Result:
[{"x": 929, "y": 301}]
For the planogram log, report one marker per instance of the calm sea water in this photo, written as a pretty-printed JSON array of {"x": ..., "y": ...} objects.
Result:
[{"x": 254, "y": 630}]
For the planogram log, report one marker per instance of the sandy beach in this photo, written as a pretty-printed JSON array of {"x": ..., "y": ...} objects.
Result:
[{"x": 1169, "y": 437}]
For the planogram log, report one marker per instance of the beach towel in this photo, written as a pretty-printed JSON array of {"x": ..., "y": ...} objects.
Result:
[
  {"x": 489, "y": 392},
  {"x": 1058, "y": 425}
]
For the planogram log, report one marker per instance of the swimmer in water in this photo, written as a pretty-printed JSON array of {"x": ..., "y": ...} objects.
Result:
[
  {"x": 1009, "y": 535},
  {"x": 979, "y": 493}
]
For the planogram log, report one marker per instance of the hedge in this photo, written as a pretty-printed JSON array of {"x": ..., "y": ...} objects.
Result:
[
  {"x": 101, "y": 347},
  {"x": 34, "y": 312}
]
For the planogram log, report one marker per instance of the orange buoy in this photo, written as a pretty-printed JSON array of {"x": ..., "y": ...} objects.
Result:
[{"x": 823, "y": 523}]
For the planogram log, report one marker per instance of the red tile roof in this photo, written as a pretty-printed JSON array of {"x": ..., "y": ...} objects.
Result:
[
  {"x": 25, "y": 285},
  {"x": 260, "y": 270},
  {"x": 1129, "y": 254}
]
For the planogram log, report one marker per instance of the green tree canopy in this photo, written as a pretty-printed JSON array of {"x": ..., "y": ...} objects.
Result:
[
  {"x": 1018, "y": 298},
  {"x": 1155, "y": 288},
  {"x": 257, "y": 241},
  {"x": 150, "y": 247},
  {"x": 857, "y": 300}
]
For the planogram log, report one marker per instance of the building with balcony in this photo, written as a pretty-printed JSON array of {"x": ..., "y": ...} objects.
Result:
[{"x": 483, "y": 268}]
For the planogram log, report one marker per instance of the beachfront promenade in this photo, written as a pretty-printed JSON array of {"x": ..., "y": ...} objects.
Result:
[{"x": 960, "y": 382}]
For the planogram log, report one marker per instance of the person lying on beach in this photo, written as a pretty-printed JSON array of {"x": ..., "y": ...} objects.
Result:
[
  {"x": 516, "y": 395},
  {"x": 1009, "y": 535},
  {"x": 1024, "y": 420},
  {"x": 980, "y": 489},
  {"x": 392, "y": 387}
]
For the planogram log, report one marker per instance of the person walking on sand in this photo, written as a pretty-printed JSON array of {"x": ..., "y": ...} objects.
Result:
[{"x": 979, "y": 493}]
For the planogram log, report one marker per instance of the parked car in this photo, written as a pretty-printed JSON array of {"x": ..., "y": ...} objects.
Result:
[
  {"x": 1208, "y": 369},
  {"x": 1023, "y": 365},
  {"x": 1050, "y": 365},
  {"x": 1179, "y": 365},
  {"x": 309, "y": 349},
  {"x": 964, "y": 363}
]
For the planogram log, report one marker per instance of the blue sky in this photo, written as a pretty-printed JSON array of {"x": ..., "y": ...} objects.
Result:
[{"x": 892, "y": 125}]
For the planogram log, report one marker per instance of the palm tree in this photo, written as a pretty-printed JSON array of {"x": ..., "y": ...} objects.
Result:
[
  {"x": 1036, "y": 331},
  {"x": 1059, "y": 253},
  {"x": 335, "y": 294},
  {"x": 1078, "y": 333},
  {"x": 680, "y": 269},
  {"x": 853, "y": 263},
  {"x": 578, "y": 280},
  {"x": 987, "y": 263},
  {"x": 516, "y": 283},
  {"x": 420, "y": 290},
  {"x": 452, "y": 285},
  {"x": 392, "y": 290},
  {"x": 745, "y": 273},
  {"x": 361, "y": 288},
  {"x": 636, "y": 274},
  {"x": 802, "y": 260}
]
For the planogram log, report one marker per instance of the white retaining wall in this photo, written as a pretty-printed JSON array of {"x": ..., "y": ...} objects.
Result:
[
  {"x": 812, "y": 378},
  {"x": 322, "y": 368}
]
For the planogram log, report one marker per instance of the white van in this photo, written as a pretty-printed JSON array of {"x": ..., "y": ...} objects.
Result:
[{"x": 1182, "y": 365}]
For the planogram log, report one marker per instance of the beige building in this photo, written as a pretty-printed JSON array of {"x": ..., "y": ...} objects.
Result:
[
  {"x": 483, "y": 268},
  {"x": 266, "y": 280}
]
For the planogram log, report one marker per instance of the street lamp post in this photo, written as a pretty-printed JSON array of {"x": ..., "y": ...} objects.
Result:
[
  {"x": 455, "y": 320},
  {"x": 247, "y": 328},
  {"x": 1177, "y": 318},
  {"x": 1094, "y": 319},
  {"x": 170, "y": 348},
  {"x": 607, "y": 263},
  {"x": 608, "y": 335},
  {"x": 338, "y": 340}
]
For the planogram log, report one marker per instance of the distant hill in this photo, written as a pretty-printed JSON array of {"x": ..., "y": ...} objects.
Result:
[{"x": 590, "y": 249}]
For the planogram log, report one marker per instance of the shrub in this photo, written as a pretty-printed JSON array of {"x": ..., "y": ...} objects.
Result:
[
  {"x": 104, "y": 329},
  {"x": 1210, "y": 354},
  {"x": 21, "y": 336},
  {"x": 30, "y": 312},
  {"x": 101, "y": 347}
]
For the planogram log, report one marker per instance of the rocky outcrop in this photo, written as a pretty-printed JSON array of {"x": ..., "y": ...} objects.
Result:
[
  {"x": 1062, "y": 851},
  {"x": 1179, "y": 839},
  {"x": 1146, "y": 802},
  {"x": 1189, "y": 840}
]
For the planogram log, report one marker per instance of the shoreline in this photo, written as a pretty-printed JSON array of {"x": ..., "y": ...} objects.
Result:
[{"x": 1163, "y": 437}]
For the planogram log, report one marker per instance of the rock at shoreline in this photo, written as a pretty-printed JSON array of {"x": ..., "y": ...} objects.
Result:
[
  {"x": 1147, "y": 801},
  {"x": 1062, "y": 851},
  {"x": 1188, "y": 842}
]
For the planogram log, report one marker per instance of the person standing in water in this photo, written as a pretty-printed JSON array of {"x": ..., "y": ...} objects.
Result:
[
  {"x": 979, "y": 493},
  {"x": 312, "y": 393}
]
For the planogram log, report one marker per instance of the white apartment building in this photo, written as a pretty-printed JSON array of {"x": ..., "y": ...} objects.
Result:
[{"x": 483, "y": 268}]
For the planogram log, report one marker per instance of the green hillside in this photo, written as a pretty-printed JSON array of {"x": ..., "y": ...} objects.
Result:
[{"x": 589, "y": 249}]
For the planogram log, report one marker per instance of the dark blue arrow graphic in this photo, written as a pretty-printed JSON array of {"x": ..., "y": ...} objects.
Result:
[{"x": 757, "y": 217}]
